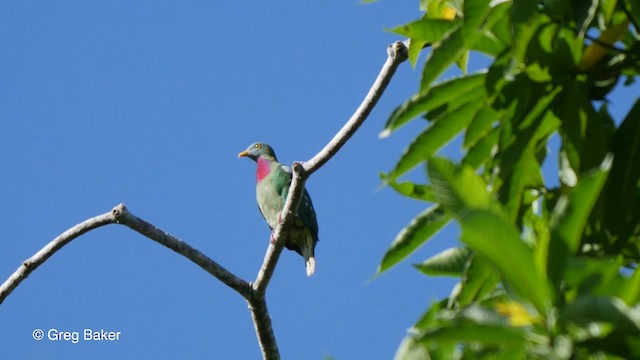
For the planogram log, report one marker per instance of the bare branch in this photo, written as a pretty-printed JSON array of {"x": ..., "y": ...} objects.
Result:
[
  {"x": 121, "y": 215},
  {"x": 254, "y": 293},
  {"x": 264, "y": 330},
  {"x": 124, "y": 217},
  {"x": 56, "y": 244},
  {"x": 397, "y": 54}
]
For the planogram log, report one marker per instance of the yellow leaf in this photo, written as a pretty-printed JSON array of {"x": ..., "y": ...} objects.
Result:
[
  {"x": 595, "y": 51},
  {"x": 449, "y": 13},
  {"x": 517, "y": 313}
]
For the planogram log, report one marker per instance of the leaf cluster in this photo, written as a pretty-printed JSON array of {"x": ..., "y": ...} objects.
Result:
[{"x": 547, "y": 264}]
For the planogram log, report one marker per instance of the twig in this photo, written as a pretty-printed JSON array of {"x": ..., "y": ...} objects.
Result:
[
  {"x": 32, "y": 263},
  {"x": 397, "y": 53},
  {"x": 124, "y": 217}
]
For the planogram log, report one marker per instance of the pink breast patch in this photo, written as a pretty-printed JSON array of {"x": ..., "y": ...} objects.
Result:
[{"x": 264, "y": 167}]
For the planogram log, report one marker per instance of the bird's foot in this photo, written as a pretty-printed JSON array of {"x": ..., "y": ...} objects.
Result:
[
  {"x": 280, "y": 220},
  {"x": 272, "y": 239}
]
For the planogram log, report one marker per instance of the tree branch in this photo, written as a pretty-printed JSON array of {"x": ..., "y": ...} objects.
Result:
[
  {"x": 264, "y": 330},
  {"x": 124, "y": 217},
  {"x": 121, "y": 215},
  {"x": 255, "y": 292},
  {"x": 32, "y": 263},
  {"x": 396, "y": 55}
]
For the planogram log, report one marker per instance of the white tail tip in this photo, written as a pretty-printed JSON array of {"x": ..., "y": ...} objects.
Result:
[{"x": 311, "y": 266}]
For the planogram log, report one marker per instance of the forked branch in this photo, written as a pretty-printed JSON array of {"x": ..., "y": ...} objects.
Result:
[{"x": 254, "y": 293}]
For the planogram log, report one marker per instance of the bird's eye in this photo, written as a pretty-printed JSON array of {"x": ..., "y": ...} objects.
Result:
[{"x": 258, "y": 146}]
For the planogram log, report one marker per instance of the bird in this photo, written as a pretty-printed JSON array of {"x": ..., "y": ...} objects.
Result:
[{"x": 272, "y": 186}]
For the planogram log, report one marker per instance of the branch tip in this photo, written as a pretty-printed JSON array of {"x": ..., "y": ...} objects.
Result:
[
  {"x": 119, "y": 211},
  {"x": 398, "y": 51}
]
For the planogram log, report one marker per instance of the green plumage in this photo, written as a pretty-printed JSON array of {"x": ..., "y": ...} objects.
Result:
[{"x": 272, "y": 186}]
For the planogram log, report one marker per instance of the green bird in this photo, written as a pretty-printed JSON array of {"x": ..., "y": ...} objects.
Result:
[{"x": 272, "y": 186}]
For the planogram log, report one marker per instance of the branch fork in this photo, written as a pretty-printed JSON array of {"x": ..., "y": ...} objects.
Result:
[{"x": 253, "y": 292}]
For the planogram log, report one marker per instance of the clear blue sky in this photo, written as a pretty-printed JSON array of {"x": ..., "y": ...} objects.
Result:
[{"x": 148, "y": 104}]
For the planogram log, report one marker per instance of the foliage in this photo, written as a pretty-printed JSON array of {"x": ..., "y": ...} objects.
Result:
[{"x": 547, "y": 267}]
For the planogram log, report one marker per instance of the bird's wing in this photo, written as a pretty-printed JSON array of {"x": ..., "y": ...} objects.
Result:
[
  {"x": 306, "y": 212},
  {"x": 286, "y": 169},
  {"x": 282, "y": 180}
]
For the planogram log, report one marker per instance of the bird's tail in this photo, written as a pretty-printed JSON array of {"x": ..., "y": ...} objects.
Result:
[
  {"x": 311, "y": 265},
  {"x": 309, "y": 257}
]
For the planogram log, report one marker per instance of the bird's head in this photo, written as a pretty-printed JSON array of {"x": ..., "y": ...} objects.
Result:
[{"x": 256, "y": 150}]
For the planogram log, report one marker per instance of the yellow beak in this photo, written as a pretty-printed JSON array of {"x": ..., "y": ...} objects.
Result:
[{"x": 243, "y": 154}]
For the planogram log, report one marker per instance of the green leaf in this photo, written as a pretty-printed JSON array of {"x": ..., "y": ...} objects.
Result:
[
  {"x": 457, "y": 188},
  {"x": 419, "y": 230},
  {"x": 450, "y": 49},
  {"x": 518, "y": 164},
  {"x": 431, "y": 317},
  {"x": 593, "y": 276},
  {"x": 482, "y": 150},
  {"x": 475, "y": 12},
  {"x": 410, "y": 349},
  {"x": 446, "y": 93},
  {"x": 480, "y": 126},
  {"x": 537, "y": 73},
  {"x": 461, "y": 191},
  {"x": 608, "y": 7},
  {"x": 480, "y": 279},
  {"x": 415, "y": 48},
  {"x": 494, "y": 35},
  {"x": 489, "y": 44},
  {"x": 450, "y": 262},
  {"x": 409, "y": 189},
  {"x": 585, "y": 132},
  {"x": 462, "y": 62},
  {"x": 500, "y": 19},
  {"x": 494, "y": 238},
  {"x": 568, "y": 220},
  {"x": 622, "y": 187},
  {"x": 488, "y": 335},
  {"x": 583, "y": 13},
  {"x": 437, "y": 135},
  {"x": 523, "y": 13},
  {"x": 479, "y": 315},
  {"x": 631, "y": 292},
  {"x": 573, "y": 129},
  {"x": 591, "y": 309},
  {"x": 455, "y": 44},
  {"x": 428, "y": 30}
]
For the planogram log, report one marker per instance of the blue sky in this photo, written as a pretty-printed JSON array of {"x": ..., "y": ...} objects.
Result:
[{"x": 148, "y": 104}]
